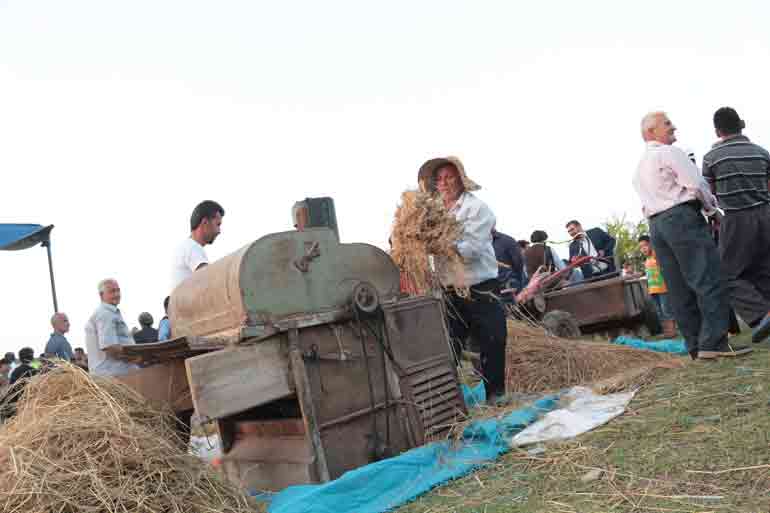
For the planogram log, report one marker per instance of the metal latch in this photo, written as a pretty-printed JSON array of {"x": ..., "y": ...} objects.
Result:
[{"x": 303, "y": 262}]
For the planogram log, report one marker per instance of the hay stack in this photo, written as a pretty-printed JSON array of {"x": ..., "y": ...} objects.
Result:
[
  {"x": 538, "y": 362},
  {"x": 81, "y": 443},
  {"x": 423, "y": 227}
]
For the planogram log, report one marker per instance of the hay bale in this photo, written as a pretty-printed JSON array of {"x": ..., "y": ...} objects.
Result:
[
  {"x": 82, "y": 443},
  {"x": 538, "y": 362},
  {"x": 423, "y": 227}
]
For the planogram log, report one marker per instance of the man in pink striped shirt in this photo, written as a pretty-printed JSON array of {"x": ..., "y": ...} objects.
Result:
[{"x": 673, "y": 194}]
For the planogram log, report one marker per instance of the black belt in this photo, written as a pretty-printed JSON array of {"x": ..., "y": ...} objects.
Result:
[
  {"x": 488, "y": 290},
  {"x": 694, "y": 203}
]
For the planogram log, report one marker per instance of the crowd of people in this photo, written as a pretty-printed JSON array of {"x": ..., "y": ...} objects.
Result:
[
  {"x": 13, "y": 367},
  {"x": 106, "y": 330},
  {"x": 693, "y": 281}
]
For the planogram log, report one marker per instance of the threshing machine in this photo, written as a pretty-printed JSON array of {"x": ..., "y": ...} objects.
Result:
[{"x": 320, "y": 366}]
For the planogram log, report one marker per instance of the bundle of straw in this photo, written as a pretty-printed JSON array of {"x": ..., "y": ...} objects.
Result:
[
  {"x": 423, "y": 227},
  {"x": 536, "y": 361},
  {"x": 79, "y": 443}
]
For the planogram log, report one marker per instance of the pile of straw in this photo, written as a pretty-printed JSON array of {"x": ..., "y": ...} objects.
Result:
[
  {"x": 538, "y": 362},
  {"x": 423, "y": 227},
  {"x": 79, "y": 443}
]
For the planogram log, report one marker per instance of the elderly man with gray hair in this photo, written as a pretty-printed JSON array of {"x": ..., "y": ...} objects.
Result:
[
  {"x": 673, "y": 194},
  {"x": 106, "y": 332},
  {"x": 58, "y": 345}
]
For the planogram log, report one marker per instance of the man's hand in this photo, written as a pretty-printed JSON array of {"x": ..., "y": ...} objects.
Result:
[
  {"x": 113, "y": 350},
  {"x": 600, "y": 252},
  {"x": 715, "y": 221}
]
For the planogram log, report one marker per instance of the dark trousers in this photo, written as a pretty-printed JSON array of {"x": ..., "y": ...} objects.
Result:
[
  {"x": 481, "y": 315},
  {"x": 689, "y": 262},
  {"x": 744, "y": 246}
]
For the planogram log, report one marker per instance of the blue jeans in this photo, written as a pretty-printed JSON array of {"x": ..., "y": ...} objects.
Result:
[
  {"x": 662, "y": 306},
  {"x": 689, "y": 262}
]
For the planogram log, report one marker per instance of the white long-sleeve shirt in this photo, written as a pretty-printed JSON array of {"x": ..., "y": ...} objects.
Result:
[
  {"x": 667, "y": 177},
  {"x": 475, "y": 245}
]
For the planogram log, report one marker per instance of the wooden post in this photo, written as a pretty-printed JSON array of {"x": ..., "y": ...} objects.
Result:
[{"x": 302, "y": 385}]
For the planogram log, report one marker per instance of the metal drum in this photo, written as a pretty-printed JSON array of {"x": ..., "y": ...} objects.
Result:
[{"x": 281, "y": 275}]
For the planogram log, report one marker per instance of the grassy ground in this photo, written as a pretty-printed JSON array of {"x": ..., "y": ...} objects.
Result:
[{"x": 696, "y": 440}]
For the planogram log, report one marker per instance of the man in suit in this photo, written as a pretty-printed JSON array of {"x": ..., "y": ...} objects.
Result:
[{"x": 594, "y": 242}]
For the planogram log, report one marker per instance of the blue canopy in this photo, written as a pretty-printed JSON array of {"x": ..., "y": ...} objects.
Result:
[
  {"x": 22, "y": 236},
  {"x": 14, "y": 237}
]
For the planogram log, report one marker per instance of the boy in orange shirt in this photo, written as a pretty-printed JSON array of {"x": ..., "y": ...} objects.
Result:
[{"x": 657, "y": 287}]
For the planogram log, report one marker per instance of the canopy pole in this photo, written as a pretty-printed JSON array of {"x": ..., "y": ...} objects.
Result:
[{"x": 47, "y": 245}]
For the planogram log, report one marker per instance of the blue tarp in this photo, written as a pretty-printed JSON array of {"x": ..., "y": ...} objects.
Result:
[
  {"x": 474, "y": 396},
  {"x": 22, "y": 236},
  {"x": 676, "y": 346},
  {"x": 387, "y": 484}
]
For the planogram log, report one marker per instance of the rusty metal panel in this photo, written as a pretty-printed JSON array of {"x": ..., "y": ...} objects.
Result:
[
  {"x": 335, "y": 363},
  {"x": 428, "y": 376},
  {"x": 277, "y": 276},
  {"x": 435, "y": 399},
  {"x": 355, "y": 429},
  {"x": 592, "y": 303},
  {"x": 416, "y": 329},
  {"x": 351, "y": 443}
]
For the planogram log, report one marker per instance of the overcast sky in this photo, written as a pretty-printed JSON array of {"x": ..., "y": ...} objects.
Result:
[{"x": 116, "y": 118}]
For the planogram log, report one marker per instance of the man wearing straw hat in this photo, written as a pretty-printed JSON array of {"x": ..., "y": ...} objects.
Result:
[{"x": 478, "y": 313}]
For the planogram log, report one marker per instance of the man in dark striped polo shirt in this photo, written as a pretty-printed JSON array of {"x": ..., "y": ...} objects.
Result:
[{"x": 738, "y": 172}]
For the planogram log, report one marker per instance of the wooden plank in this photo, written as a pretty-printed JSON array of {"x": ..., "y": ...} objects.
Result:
[
  {"x": 158, "y": 352},
  {"x": 163, "y": 384},
  {"x": 306, "y": 404},
  {"x": 238, "y": 378}
]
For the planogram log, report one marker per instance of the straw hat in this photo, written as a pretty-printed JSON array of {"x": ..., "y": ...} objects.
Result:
[{"x": 427, "y": 175}]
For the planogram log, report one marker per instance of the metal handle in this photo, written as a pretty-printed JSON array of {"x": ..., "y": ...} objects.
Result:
[{"x": 303, "y": 263}]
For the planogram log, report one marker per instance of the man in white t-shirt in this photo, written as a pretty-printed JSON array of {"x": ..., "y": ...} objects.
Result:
[{"x": 205, "y": 225}]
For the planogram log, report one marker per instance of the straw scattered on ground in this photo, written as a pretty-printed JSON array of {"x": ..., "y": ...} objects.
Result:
[
  {"x": 536, "y": 361},
  {"x": 694, "y": 441},
  {"x": 80, "y": 443},
  {"x": 423, "y": 227}
]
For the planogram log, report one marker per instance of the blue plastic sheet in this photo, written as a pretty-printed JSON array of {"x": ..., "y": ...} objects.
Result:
[
  {"x": 387, "y": 484},
  {"x": 661, "y": 346},
  {"x": 474, "y": 396}
]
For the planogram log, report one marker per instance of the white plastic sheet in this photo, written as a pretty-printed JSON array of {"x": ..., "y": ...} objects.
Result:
[{"x": 585, "y": 411}]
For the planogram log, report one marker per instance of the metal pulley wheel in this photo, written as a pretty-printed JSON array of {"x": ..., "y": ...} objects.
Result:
[{"x": 365, "y": 297}]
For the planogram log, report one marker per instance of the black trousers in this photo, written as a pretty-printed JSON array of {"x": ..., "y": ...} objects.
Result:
[
  {"x": 689, "y": 262},
  {"x": 744, "y": 246},
  {"x": 482, "y": 316}
]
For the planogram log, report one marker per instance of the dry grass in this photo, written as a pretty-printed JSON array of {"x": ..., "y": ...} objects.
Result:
[
  {"x": 81, "y": 443},
  {"x": 423, "y": 227},
  {"x": 695, "y": 440},
  {"x": 536, "y": 361}
]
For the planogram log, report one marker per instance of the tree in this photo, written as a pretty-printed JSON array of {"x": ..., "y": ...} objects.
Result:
[{"x": 626, "y": 235}]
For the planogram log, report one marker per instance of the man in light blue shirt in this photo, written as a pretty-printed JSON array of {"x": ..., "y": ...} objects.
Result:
[
  {"x": 58, "y": 345},
  {"x": 106, "y": 332},
  {"x": 164, "y": 326}
]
